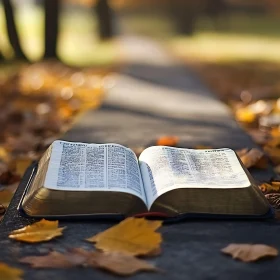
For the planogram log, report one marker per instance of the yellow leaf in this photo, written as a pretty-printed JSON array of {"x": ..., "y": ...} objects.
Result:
[
  {"x": 250, "y": 252},
  {"x": 245, "y": 115},
  {"x": 133, "y": 236},
  {"x": 41, "y": 231},
  {"x": 10, "y": 273}
]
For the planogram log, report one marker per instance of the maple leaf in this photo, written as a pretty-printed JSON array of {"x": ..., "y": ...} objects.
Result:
[
  {"x": 272, "y": 187},
  {"x": 38, "y": 232},
  {"x": 10, "y": 273},
  {"x": 254, "y": 158},
  {"x": 167, "y": 141},
  {"x": 120, "y": 264},
  {"x": 250, "y": 252},
  {"x": 133, "y": 236}
]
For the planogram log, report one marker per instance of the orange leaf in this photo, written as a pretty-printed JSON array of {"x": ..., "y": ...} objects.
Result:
[
  {"x": 167, "y": 141},
  {"x": 274, "y": 154},
  {"x": 114, "y": 262},
  {"x": 242, "y": 152},
  {"x": 272, "y": 187},
  {"x": 21, "y": 165},
  {"x": 254, "y": 158},
  {"x": 38, "y": 232},
  {"x": 245, "y": 115},
  {"x": 10, "y": 273},
  {"x": 133, "y": 236},
  {"x": 250, "y": 252}
]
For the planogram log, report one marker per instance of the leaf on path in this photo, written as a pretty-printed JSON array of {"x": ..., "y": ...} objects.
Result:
[
  {"x": 38, "y": 232},
  {"x": 10, "y": 273},
  {"x": 167, "y": 141},
  {"x": 120, "y": 264},
  {"x": 254, "y": 158},
  {"x": 133, "y": 236},
  {"x": 249, "y": 252},
  {"x": 271, "y": 187},
  {"x": 274, "y": 154}
]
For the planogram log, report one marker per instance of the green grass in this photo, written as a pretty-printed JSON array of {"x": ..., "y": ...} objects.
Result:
[
  {"x": 78, "y": 44},
  {"x": 239, "y": 37}
]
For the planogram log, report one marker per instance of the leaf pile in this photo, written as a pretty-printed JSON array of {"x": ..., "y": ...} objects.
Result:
[{"x": 38, "y": 103}]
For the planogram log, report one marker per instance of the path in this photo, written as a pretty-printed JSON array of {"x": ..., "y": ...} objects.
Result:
[{"x": 153, "y": 96}]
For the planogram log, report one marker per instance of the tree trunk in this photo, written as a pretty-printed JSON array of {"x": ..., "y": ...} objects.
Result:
[
  {"x": 12, "y": 31},
  {"x": 52, "y": 10},
  {"x": 104, "y": 15}
]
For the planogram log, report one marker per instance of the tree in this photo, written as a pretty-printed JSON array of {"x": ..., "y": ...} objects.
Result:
[
  {"x": 12, "y": 31},
  {"x": 104, "y": 15},
  {"x": 52, "y": 11}
]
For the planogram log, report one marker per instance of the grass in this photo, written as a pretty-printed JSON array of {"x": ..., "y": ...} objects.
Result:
[
  {"x": 78, "y": 43},
  {"x": 240, "y": 38}
]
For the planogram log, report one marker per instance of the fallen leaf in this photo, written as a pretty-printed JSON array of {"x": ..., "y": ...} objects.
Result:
[
  {"x": 272, "y": 187},
  {"x": 116, "y": 263},
  {"x": 134, "y": 236},
  {"x": 10, "y": 273},
  {"x": 120, "y": 264},
  {"x": 254, "y": 158},
  {"x": 242, "y": 152},
  {"x": 5, "y": 197},
  {"x": 274, "y": 154},
  {"x": 167, "y": 141},
  {"x": 250, "y": 252},
  {"x": 2, "y": 209},
  {"x": 21, "y": 165},
  {"x": 8, "y": 177},
  {"x": 38, "y": 232},
  {"x": 245, "y": 115},
  {"x": 274, "y": 199},
  {"x": 55, "y": 260}
]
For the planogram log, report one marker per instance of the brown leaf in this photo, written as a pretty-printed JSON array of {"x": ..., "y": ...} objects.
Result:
[
  {"x": 274, "y": 154},
  {"x": 38, "y": 232},
  {"x": 272, "y": 187},
  {"x": 250, "y": 252},
  {"x": 167, "y": 141},
  {"x": 254, "y": 158},
  {"x": 5, "y": 197},
  {"x": 10, "y": 273},
  {"x": 120, "y": 264},
  {"x": 134, "y": 236}
]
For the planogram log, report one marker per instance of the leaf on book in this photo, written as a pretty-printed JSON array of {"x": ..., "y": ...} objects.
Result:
[
  {"x": 133, "y": 236},
  {"x": 254, "y": 158},
  {"x": 272, "y": 187},
  {"x": 116, "y": 263},
  {"x": 250, "y": 252},
  {"x": 10, "y": 273},
  {"x": 274, "y": 200},
  {"x": 38, "y": 232},
  {"x": 167, "y": 141}
]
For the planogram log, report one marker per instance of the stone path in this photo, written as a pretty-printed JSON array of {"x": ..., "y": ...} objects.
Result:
[{"x": 152, "y": 96}]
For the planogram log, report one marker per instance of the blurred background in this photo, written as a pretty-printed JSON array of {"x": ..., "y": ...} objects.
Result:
[{"x": 58, "y": 57}]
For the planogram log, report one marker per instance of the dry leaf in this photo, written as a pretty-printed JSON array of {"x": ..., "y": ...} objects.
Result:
[
  {"x": 242, "y": 152},
  {"x": 167, "y": 141},
  {"x": 120, "y": 264},
  {"x": 38, "y": 232},
  {"x": 10, "y": 273},
  {"x": 134, "y": 236},
  {"x": 5, "y": 197},
  {"x": 272, "y": 187},
  {"x": 250, "y": 252},
  {"x": 254, "y": 158},
  {"x": 22, "y": 164},
  {"x": 274, "y": 154},
  {"x": 245, "y": 115}
]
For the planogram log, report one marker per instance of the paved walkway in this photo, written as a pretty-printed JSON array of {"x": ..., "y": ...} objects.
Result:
[{"x": 154, "y": 95}]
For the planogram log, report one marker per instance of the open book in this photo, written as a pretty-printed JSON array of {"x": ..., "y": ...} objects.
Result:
[{"x": 79, "y": 179}]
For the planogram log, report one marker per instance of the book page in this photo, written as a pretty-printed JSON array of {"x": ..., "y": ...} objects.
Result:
[
  {"x": 166, "y": 168},
  {"x": 94, "y": 167}
]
